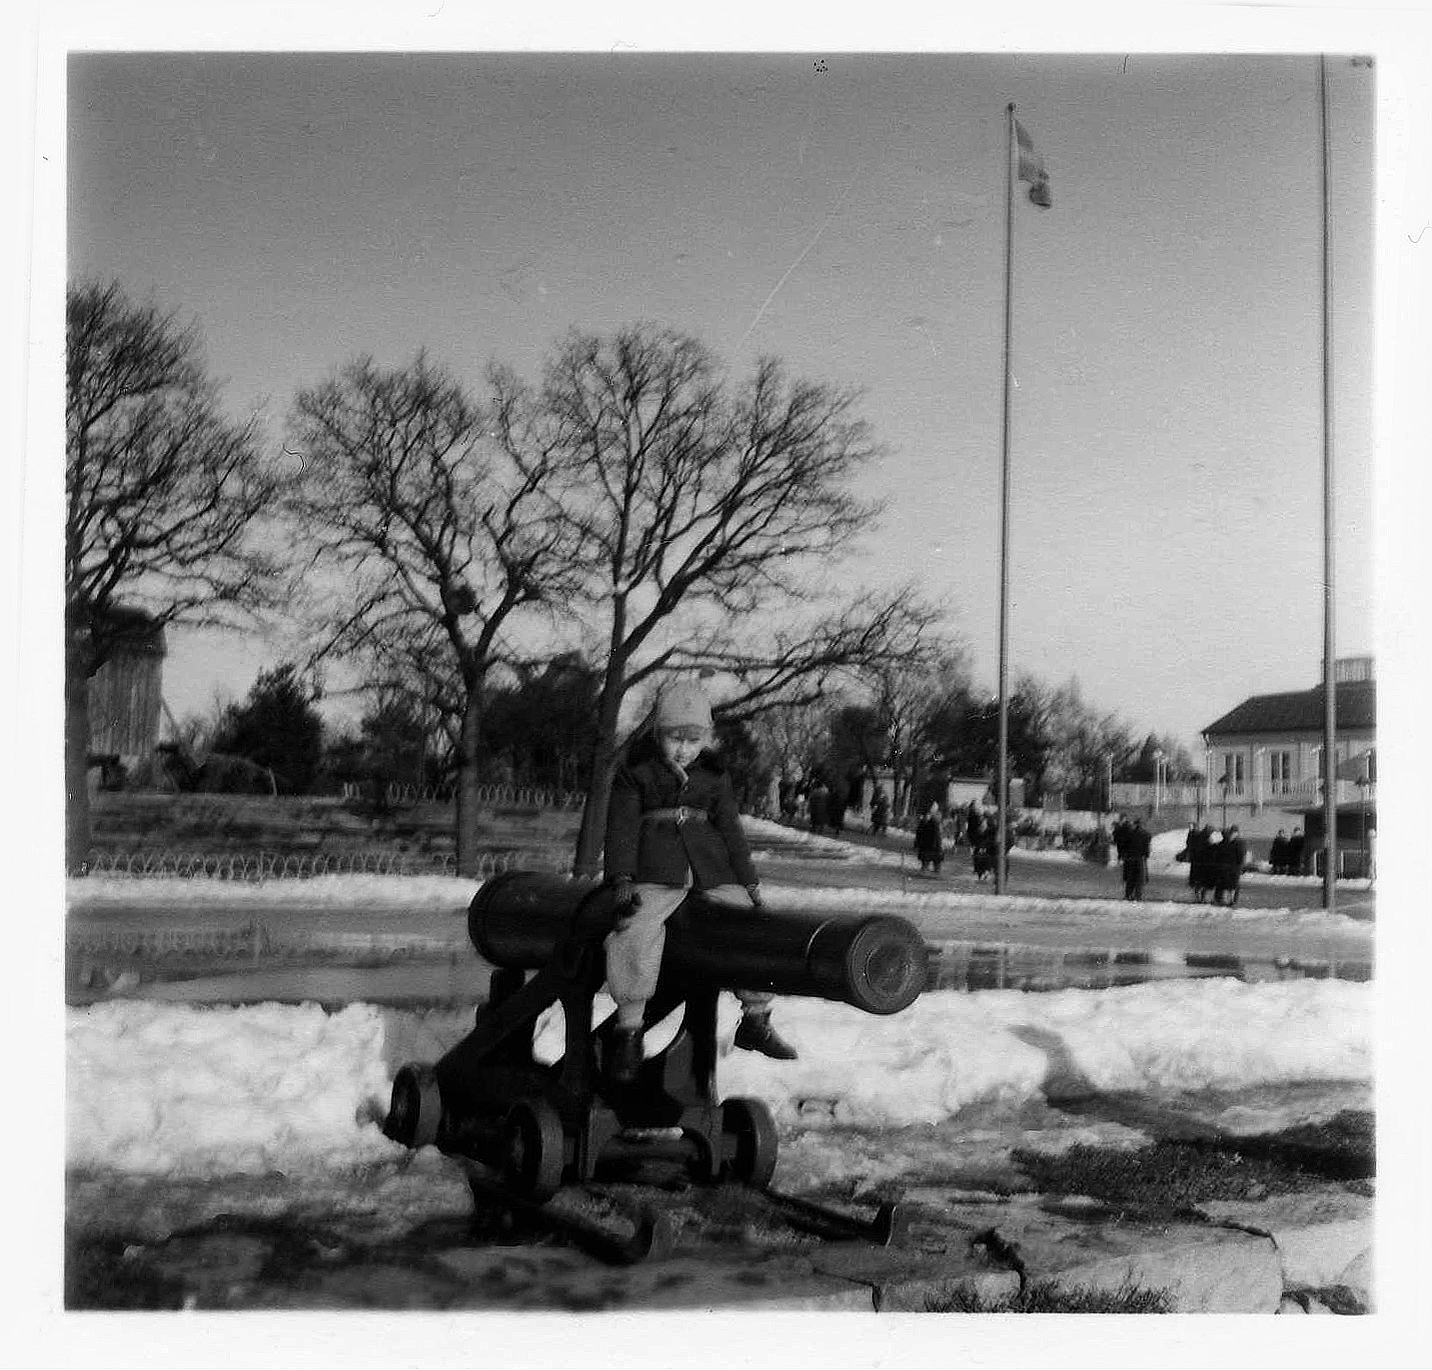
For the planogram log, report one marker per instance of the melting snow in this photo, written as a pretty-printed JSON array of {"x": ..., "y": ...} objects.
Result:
[{"x": 179, "y": 1089}]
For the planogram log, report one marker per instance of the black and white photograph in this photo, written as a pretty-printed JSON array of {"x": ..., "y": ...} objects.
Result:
[{"x": 706, "y": 683}]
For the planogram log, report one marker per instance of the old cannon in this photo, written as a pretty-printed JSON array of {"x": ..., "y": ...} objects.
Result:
[{"x": 542, "y": 1125}]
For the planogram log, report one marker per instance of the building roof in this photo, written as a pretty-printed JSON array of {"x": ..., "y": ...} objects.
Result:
[
  {"x": 1301, "y": 711},
  {"x": 126, "y": 630}
]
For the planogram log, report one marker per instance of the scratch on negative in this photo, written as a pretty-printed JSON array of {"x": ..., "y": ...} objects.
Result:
[
  {"x": 1420, "y": 232},
  {"x": 804, "y": 252}
]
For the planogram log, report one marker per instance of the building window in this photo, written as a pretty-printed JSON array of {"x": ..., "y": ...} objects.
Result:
[
  {"x": 1280, "y": 772},
  {"x": 1233, "y": 774}
]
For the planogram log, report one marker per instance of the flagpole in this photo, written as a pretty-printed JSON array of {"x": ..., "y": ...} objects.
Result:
[
  {"x": 1002, "y": 768},
  {"x": 1330, "y": 784}
]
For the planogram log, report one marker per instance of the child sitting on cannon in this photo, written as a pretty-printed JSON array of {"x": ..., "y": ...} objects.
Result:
[{"x": 673, "y": 825}]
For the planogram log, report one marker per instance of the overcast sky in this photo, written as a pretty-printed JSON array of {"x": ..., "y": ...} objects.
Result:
[{"x": 847, "y": 215}]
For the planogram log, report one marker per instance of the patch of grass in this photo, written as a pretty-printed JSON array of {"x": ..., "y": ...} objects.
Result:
[
  {"x": 1173, "y": 1175},
  {"x": 1048, "y": 1296},
  {"x": 100, "y": 1276}
]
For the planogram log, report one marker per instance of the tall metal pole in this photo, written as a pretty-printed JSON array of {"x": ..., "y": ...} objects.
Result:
[
  {"x": 1002, "y": 772},
  {"x": 1330, "y": 723}
]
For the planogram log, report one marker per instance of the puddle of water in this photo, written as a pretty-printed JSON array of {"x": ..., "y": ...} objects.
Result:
[
  {"x": 951, "y": 966},
  {"x": 977, "y": 966}
]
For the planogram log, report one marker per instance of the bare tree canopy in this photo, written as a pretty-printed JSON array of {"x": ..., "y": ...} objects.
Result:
[
  {"x": 162, "y": 494},
  {"x": 790, "y": 666},
  {"x": 695, "y": 508},
  {"x": 162, "y": 490},
  {"x": 427, "y": 538}
]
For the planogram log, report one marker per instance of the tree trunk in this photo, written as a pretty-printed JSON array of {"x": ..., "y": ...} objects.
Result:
[
  {"x": 468, "y": 856},
  {"x": 592, "y": 834},
  {"x": 77, "y": 738}
]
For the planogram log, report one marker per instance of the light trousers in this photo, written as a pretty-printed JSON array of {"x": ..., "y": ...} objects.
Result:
[{"x": 634, "y": 952}]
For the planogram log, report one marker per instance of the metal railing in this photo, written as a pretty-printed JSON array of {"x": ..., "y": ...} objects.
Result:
[
  {"x": 493, "y": 796},
  {"x": 261, "y": 866}
]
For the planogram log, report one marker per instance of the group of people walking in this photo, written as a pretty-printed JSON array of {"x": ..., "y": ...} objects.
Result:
[
  {"x": 1215, "y": 862},
  {"x": 1285, "y": 856},
  {"x": 1132, "y": 844},
  {"x": 821, "y": 803},
  {"x": 978, "y": 827}
]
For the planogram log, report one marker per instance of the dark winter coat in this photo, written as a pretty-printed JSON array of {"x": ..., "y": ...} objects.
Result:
[
  {"x": 1235, "y": 851},
  {"x": 1200, "y": 868},
  {"x": 974, "y": 825},
  {"x": 929, "y": 844},
  {"x": 704, "y": 846},
  {"x": 819, "y": 807}
]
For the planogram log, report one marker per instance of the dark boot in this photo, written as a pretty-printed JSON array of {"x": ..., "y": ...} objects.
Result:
[
  {"x": 755, "y": 1033},
  {"x": 624, "y": 1059}
]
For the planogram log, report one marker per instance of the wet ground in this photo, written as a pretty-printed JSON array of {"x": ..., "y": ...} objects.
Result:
[
  {"x": 226, "y": 952},
  {"x": 408, "y": 1234},
  {"x": 1040, "y": 876}
]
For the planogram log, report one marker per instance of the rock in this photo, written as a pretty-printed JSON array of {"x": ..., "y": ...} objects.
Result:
[
  {"x": 1206, "y": 1269},
  {"x": 1357, "y": 1276},
  {"x": 1319, "y": 1233}
]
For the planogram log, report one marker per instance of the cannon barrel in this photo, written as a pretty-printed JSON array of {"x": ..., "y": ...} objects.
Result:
[{"x": 875, "y": 962}]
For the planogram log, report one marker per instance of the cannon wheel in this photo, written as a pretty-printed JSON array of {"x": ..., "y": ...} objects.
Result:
[
  {"x": 416, "y": 1108},
  {"x": 749, "y": 1142},
  {"x": 533, "y": 1146}
]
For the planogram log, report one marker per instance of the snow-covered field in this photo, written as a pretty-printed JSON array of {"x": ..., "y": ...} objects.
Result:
[
  {"x": 178, "y": 1089},
  {"x": 164, "y": 1088}
]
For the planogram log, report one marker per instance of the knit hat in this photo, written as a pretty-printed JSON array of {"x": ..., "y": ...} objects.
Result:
[{"x": 683, "y": 706}]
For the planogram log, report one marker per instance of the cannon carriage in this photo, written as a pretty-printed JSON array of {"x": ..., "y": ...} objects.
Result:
[{"x": 540, "y": 1126}]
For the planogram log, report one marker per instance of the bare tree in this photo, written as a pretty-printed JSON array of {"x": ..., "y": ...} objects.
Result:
[
  {"x": 792, "y": 736},
  {"x": 808, "y": 661},
  {"x": 428, "y": 540},
  {"x": 162, "y": 497},
  {"x": 692, "y": 508},
  {"x": 909, "y": 699}
]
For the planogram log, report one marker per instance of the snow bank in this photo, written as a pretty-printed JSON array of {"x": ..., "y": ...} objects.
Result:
[
  {"x": 174, "y": 1089},
  {"x": 154, "y": 1088},
  {"x": 949, "y": 1051}
]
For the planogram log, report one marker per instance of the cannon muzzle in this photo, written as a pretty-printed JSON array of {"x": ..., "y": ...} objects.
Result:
[{"x": 875, "y": 962}]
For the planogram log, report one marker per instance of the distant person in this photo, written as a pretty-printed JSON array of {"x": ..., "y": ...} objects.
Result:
[
  {"x": 983, "y": 858},
  {"x": 1232, "y": 852},
  {"x": 1137, "y": 845},
  {"x": 1200, "y": 881},
  {"x": 1295, "y": 852},
  {"x": 1213, "y": 866},
  {"x": 879, "y": 813},
  {"x": 974, "y": 824},
  {"x": 835, "y": 807},
  {"x": 1278, "y": 854},
  {"x": 819, "y": 806},
  {"x": 1371, "y": 856},
  {"x": 929, "y": 841},
  {"x": 786, "y": 794}
]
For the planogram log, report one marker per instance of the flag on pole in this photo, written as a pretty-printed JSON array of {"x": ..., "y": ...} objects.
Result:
[{"x": 1031, "y": 168}]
